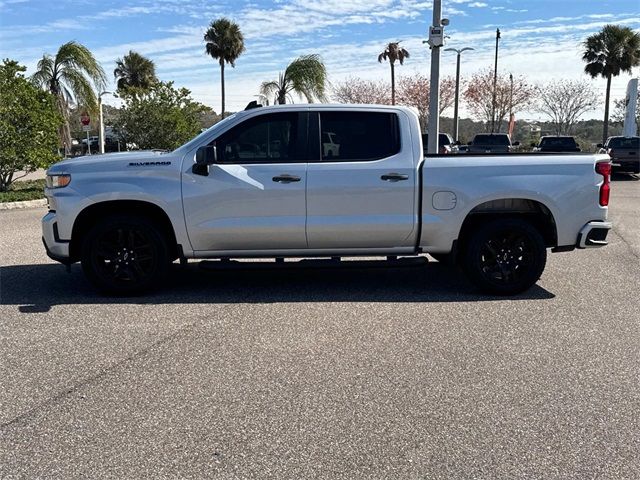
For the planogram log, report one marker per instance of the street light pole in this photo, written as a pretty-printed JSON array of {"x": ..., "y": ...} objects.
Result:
[
  {"x": 455, "y": 108},
  {"x": 101, "y": 121},
  {"x": 436, "y": 40},
  {"x": 495, "y": 85}
]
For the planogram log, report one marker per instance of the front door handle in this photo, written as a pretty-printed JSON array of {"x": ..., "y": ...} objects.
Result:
[
  {"x": 394, "y": 177},
  {"x": 285, "y": 178}
]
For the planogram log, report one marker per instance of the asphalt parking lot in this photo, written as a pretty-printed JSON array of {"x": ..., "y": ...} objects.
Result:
[{"x": 347, "y": 372}]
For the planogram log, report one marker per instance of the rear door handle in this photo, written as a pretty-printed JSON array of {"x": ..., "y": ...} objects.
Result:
[
  {"x": 285, "y": 178},
  {"x": 394, "y": 177}
]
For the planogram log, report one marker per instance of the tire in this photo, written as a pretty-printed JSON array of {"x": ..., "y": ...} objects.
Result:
[
  {"x": 504, "y": 257},
  {"x": 125, "y": 255}
]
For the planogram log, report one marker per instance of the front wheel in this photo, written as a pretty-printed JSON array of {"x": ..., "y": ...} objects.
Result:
[
  {"x": 505, "y": 257},
  {"x": 124, "y": 255}
]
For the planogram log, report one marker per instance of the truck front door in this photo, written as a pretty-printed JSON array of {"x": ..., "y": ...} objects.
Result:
[{"x": 253, "y": 198}]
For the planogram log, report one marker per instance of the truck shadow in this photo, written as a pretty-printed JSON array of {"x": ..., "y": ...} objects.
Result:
[{"x": 36, "y": 288}]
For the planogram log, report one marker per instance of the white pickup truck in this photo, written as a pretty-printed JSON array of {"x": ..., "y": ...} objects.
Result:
[{"x": 260, "y": 184}]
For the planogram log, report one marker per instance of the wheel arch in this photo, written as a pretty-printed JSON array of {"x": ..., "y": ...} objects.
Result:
[
  {"x": 532, "y": 211},
  {"x": 91, "y": 214}
]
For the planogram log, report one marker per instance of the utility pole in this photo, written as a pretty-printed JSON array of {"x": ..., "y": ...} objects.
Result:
[
  {"x": 101, "y": 123},
  {"x": 495, "y": 85},
  {"x": 436, "y": 40},
  {"x": 455, "y": 107}
]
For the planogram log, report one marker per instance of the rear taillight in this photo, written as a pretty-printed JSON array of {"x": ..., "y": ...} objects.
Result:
[{"x": 604, "y": 169}]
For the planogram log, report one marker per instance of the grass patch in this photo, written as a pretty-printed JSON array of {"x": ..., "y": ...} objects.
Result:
[{"x": 23, "y": 190}]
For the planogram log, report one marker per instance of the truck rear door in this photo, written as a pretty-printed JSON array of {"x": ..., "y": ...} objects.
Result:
[{"x": 361, "y": 186}]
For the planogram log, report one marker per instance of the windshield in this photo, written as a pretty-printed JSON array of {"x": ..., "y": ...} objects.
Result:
[
  {"x": 565, "y": 142},
  {"x": 622, "y": 142},
  {"x": 491, "y": 140},
  {"x": 195, "y": 140}
]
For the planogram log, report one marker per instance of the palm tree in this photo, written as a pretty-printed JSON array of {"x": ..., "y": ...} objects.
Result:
[
  {"x": 72, "y": 76},
  {"x": 225, "y": 43},
  {"x": 393, "y": 52},
  {"x": 134, "y": 71},
  {"x": 608, "y": 53},
  {"x": 306, "y": 76}
]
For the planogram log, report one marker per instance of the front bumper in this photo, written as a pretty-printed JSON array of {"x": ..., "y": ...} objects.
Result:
[
  {"x": 57, "y": 248},
  {"x": 593, "y": 235}
]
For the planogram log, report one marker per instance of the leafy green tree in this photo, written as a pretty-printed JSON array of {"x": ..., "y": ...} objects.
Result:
[
  {"x": 134, "y": 72},
  {"x": 608, "y": 53},
  {"x": 72, "y": 76},
  {"x": 306, "y": 76},
  {"x": 29, "y": 123},
  {"x": 393, "y": 52},
  {"x": 225, "y": 43},
  {"x": 163, "y": 118}
]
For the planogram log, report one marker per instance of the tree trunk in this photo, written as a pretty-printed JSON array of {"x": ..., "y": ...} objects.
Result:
[
  {"x": 222, "y": 84},
  {"x": 605, "y": 127},
  {"x": 393, "y": 84}
]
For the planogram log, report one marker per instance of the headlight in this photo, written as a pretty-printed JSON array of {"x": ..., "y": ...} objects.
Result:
[{"x": 58, "y": 181}]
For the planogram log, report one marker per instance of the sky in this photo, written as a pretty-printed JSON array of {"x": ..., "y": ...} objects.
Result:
[{"x": 540, "y": 39}]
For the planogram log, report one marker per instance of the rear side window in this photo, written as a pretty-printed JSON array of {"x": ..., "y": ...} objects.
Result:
[{"x": 358, "y": 136}]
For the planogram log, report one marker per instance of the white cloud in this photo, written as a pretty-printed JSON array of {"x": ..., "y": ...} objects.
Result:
[{"x": 477, "y": 4}]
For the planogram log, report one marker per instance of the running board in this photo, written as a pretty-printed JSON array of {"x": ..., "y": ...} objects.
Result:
[{"x": 335, "y": 262}]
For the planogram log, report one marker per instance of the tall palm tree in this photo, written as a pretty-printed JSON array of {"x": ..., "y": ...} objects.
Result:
[
  {"x": 608, "y": 53},
  {"x": 306, "y": 76},
  {"x": 134, "y": 71},
  {"x": 225, "y": 43},
  {"x": 72, "y": 76},
  {"x": 393, "y": 52}
]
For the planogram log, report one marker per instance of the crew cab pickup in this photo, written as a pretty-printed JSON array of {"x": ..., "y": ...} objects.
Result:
[{"x": 260, "y": 183}]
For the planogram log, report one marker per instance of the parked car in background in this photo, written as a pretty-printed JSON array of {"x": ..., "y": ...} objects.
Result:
[
  {"x": 624, "y": 153},
  {"x": 556, "y": 144},
  {"x": 491, "y": 143},
  {"x": 445, "y": 143}
]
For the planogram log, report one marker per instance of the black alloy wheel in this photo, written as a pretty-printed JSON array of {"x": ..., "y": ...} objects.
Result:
[
  {"x": 125, "y": 255},
  {"x": 505, "y": 257}
]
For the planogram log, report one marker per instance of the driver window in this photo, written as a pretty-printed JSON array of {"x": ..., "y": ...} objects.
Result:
[{"x": 264, "y": 139}]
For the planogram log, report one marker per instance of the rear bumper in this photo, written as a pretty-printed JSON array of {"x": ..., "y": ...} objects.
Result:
[
  {"x": 593, "y": 235},
  {"x": 625, "y": 165}
]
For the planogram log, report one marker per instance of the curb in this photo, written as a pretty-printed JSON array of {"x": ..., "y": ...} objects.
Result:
[{"x": 42, "y": 202}]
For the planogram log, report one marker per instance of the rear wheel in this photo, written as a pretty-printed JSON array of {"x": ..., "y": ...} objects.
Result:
[
  {"x": 505, "y": 257},
  {"x": 125, "y": 254}
]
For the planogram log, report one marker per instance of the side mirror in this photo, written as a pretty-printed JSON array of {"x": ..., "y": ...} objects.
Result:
[
  {"x": 600, "y": 145},
  {"x": 516, "y": 144},
  {"x": 206, "y": 155},
  {"x": 470, "y": 143}
]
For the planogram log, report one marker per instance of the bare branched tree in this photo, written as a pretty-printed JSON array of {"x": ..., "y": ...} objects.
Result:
[
  {"x": 413, "y": 91},
  {"x": 359, "y": 90},
  {"x": 620, "y": 107},
  {"x": 479, "y": 91},
  {"x": 564, "y": 101}
]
